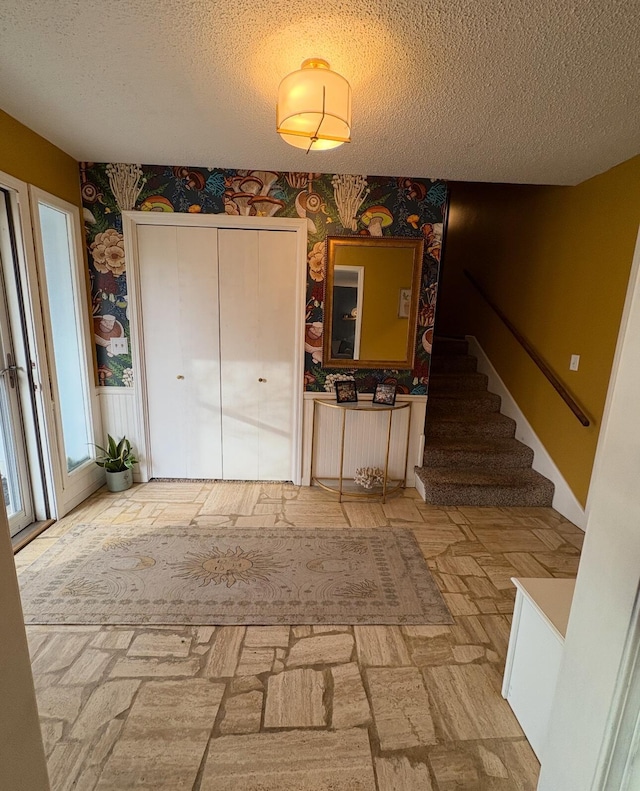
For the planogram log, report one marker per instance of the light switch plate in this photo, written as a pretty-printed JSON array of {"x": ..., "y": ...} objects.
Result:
[
  {"x": 119, "y": 346},
  {"x": 575, "y": 362}
]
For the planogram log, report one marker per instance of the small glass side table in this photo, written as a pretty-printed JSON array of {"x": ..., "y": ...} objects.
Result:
[{"x": 350, "y": 488}]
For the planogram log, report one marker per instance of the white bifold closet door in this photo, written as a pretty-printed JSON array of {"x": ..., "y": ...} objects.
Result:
[
  {"x": 219, "y": 327},
  {"x": 179, "y": 288},
  {"x": 257, "y": 342}
]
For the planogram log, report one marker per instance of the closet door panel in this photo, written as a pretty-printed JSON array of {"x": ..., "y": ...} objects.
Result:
[
  {"x": 158, "y": 255},
  {"x": 241, "y": 331},
  {"x": 277, "y": 297},
  {"x": 199, "y": 336},
  {"x": 179, "y": 288}
]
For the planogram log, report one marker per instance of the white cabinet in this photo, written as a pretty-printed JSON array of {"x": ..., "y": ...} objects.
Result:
[
  {"x": 535, "y": 650},
  {"x": 367, "y": 441},
  {"x": 220, "y": 338}
]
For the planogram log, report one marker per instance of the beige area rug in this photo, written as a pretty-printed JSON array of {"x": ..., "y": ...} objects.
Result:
[{"x": 98, "y": 574}]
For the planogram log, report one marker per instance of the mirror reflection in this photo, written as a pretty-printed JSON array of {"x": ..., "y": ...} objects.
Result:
[
  {"x": 348, "y": 287},
  {"x": 371, "y": 301}
]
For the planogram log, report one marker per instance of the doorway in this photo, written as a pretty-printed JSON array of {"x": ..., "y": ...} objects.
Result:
[
  {"x": 49, "y": 411},
  {"x": 219, "y": 325},
  {"x": 217, "y": 315}
]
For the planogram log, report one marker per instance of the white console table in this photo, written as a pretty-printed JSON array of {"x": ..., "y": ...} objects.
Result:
[
  {"x": 536, "y": 643},
  {"x": 340, "y": 485},
  {"x": 367, "y": 440}
]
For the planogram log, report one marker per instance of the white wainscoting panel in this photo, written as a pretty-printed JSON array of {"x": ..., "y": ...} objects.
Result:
[
  {"x": 119, "y": 417},
  {"x": 365, "y": 439}
]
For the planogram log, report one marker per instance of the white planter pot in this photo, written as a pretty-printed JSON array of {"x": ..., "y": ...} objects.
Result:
[{"x": 119, "y": 481}]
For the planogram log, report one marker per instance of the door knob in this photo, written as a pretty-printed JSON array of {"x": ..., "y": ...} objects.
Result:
[
  {"x": 262, "y": 380},
  {"x": 179, "y": 376}
]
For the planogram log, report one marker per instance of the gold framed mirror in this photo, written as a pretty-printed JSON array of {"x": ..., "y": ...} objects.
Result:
[{"x": 372, "y": 289}]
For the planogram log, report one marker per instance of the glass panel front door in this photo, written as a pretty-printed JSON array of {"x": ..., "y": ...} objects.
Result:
[
  {"x": 9, "y": 464},
  {"x": 73, "y": 417},
  {"x": 14, "y": 469},
  {"x": 71, "y": 376}
]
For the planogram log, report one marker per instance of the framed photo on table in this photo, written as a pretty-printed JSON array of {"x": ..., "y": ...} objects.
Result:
[
  {"x": 385, "y": 393},
  {"x": 346, "y": 391}
]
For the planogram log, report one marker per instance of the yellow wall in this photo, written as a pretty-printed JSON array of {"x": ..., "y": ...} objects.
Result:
[
  {"x": 557, "y": 261},
  {"x": 29, "y": 157},
  {"x": 383, "y": 335}
]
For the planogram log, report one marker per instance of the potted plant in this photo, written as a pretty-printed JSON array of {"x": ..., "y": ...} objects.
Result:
[{"x": 117, "y": 460}]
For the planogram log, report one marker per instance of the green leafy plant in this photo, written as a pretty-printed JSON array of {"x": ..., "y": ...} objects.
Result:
[{"x": 116, "y": 457}]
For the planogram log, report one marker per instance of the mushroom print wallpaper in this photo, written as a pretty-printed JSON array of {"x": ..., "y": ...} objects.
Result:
[{"x": 333, "y": 205}]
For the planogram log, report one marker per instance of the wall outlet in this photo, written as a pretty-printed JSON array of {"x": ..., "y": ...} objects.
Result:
[
  {"x": 575, "y": 362},
  {"x": 119, "y": 346}
]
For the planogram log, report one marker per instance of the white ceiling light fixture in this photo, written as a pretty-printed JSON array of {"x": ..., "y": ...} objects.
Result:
[{"x": 314, "y": 107}]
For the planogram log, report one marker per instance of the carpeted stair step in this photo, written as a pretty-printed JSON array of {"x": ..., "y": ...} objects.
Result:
[
  {"x": 478, "y": 486},
  {"x": 449, "y": 346},
  {"x": 456, "y": 363},
  {"x": 462, "y": 402},
  {"x": 471, "y": 455},
  {"x": 477, "y": 452},
  {"x": 453, "y": 382},
  {"x": 491, "y": 424}
]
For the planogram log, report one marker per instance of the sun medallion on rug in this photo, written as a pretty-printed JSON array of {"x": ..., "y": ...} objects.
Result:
[{"x": 98, "y": 574}]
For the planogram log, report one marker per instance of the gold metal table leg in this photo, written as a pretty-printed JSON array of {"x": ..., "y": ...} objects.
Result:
[{"x": 344, "y": 423}]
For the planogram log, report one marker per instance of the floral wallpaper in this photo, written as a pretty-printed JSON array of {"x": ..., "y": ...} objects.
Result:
[{"x": 332, "y": 205}]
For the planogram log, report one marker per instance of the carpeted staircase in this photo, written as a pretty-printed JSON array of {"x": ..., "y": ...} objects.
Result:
[{"x": 471, "y": 456}]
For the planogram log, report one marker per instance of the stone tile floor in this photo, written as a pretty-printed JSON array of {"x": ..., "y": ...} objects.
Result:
[{"x": 300, "y": 708}]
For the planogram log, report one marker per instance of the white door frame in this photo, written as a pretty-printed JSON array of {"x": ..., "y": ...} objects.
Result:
[
  {"x": 359, "y": 301},
  {"x": 130, "y": 221},
  {"x": 619, "y": 766},
  {"x": 590, "y": 729}
]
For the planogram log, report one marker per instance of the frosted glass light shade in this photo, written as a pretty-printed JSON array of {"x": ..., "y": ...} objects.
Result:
[{"x": 314, "y": 107}]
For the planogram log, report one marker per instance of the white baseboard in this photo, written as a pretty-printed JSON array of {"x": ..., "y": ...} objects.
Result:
[
  {"x": 564, "y": 500},
  {"x": 420, "y": 488}
]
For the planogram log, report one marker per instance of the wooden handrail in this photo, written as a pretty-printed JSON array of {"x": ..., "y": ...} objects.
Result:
[{"x": 557, "y": 384}]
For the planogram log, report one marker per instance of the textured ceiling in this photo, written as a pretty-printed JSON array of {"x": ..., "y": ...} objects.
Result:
[{"x": 537, "y": 91}]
